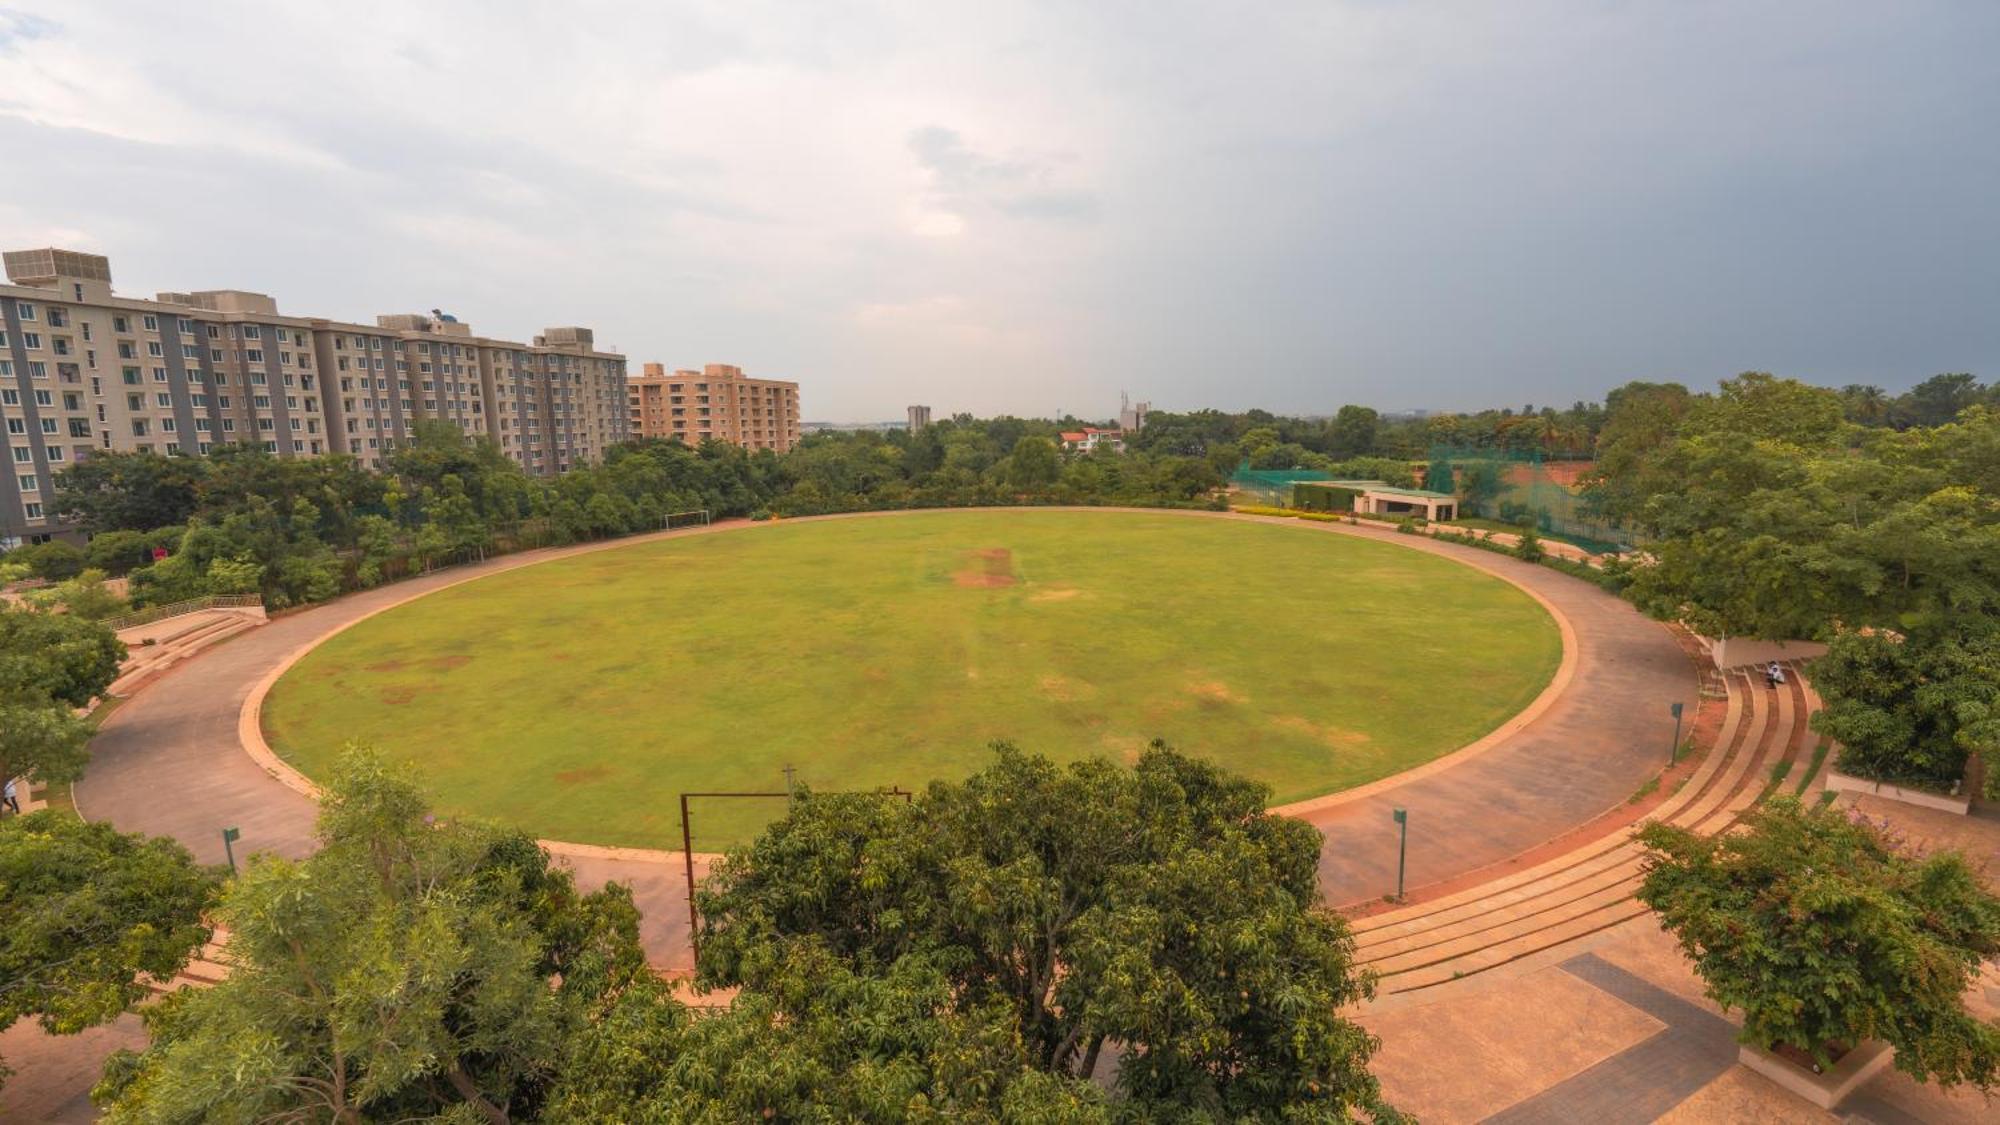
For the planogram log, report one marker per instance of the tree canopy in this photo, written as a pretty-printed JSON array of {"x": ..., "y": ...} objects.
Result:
[
  {"x": 1825, "y": 936},
  {"x": 408, "y": 969},
  {"x": 85, "y": 912},
  {"x": 1158, "y": 913}
]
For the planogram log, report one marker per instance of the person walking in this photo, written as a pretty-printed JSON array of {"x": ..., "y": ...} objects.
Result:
[{"x": 11, "y": 798}]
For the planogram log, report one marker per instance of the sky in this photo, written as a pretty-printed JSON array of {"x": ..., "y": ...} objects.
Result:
[{"x": 1027, "y": 208}]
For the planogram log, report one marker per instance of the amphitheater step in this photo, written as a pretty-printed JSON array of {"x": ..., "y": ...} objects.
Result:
[{"x": 1592, "y": 888}]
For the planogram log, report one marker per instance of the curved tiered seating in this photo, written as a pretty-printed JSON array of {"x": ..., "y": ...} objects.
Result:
[
  {"x": 143, "y": 662},
  {"x": 1534, "y": 911}
]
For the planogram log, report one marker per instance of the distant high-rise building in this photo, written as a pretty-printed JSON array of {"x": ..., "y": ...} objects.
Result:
[
  {"x": 87, "y": 369},
  {"x": 1131, "y": 415},
  {"x": 920, "y": 416},
  {"x": 717, "y": 403}
]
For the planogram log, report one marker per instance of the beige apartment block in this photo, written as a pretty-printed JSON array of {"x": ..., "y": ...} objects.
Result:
[
  {"x": 718, "y": 402},
  {"x": 83, "y": 369}
]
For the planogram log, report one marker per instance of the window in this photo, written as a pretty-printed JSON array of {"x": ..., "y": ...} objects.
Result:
[
  {"x": 10, "y": 398},
  {"x": 33, "y": 509},
  {"x": 167, "y": 425},
  {"x": 31, "y": 341},
  {"x": 254, "y": 355},
  {"x": 26, "y": 310},
  {"x": 163, "y": 399},
  {"x": 139, "y": 427},
  {"x": 251, "y": 332},
  {"x": 44, "y": 398},
  {"x": 120, "y": 324},
  {"x": 23, "y": 455},
  {"x": 154, "y": 349},
  {"x": 27, "y": 482},
  {"x": 132, "y": 376},
  {"x": 159, "y": 374},
  {"x": 186, "y": 326},
  {"x": 189, "y": 351},
  {"x": 151, "y": 322}
]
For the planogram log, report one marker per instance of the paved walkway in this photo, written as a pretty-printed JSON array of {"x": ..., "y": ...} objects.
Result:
[
  {"x": 168, "y": 761},
  {"x": 1597, "y": 742}
]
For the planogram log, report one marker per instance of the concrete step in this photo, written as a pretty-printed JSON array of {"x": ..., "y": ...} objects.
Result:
[
  {"x": 1547, "y": 904},
  {"x": 1593, "y": 888},
  {"x": 1552, "y": 920},
  {"x": 1730, "y": 744},
  {"x": 1526, "y": 945}
]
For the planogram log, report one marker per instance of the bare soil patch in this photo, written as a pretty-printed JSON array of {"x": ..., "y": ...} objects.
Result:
[
  {"x": 1213, "y": 691},
  {"x": 447, "y": 663},
  {"x": 1060, "y": 594},
  {"x": 985, "y": 569},
  {"x": 398, "y": 694},
  {"x": 579, "y": 776}
]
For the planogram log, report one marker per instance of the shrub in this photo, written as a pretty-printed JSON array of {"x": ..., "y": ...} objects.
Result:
[
  {"x": 54, "y": 560},
  {"x": 1530, "y": 548},
  {"x": 1824, "y": 936}
]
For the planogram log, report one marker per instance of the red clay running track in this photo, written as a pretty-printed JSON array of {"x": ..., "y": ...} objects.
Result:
[{"x": 168, "y": 760}]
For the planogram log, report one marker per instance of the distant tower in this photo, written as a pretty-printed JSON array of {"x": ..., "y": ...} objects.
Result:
[
  {"x": 1132, "y": 417},
  {"x": 920, "y": 416}
]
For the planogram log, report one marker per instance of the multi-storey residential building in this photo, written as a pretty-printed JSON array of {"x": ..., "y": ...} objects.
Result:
[
  {"x": 718, "y": 402},
  {"x": 82, "y": 369},
  {"x": 920, "y": 416}
]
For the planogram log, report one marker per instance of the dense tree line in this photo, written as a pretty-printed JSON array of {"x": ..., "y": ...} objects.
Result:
[{"x": 1764, "y": 510}]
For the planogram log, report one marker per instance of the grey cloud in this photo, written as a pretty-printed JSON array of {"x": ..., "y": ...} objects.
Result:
[{"x": 964, "y": 178}]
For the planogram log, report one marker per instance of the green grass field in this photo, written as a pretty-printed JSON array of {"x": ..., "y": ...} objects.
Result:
[{"x": 578, "y": 698}]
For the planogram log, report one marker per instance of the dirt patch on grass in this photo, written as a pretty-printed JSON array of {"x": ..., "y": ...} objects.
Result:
[
  {"x": 991, "y": 567},
  {"x": 1062, "y": 689},
  {"x": 1128, "y": 747},
  {"x": 447, "y": 663},
  {"x": 1059, "y": 594},
  {"x": 1340, "y": 738},
  {"x": 383, "y": 666},
  {"x": 579, "y": 776},
  {"x": 398, "y": 694},
  {"x": 1213, "y": 692}
]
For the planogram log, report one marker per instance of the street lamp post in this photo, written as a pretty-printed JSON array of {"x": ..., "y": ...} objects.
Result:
[
  {"x": 229, "y": 837},
  {"x": 1402, "y": 847},
  {"x": 1674, "y": 751}
]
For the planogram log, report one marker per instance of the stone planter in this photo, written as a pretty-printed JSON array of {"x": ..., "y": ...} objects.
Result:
[
  {"x": 1825, "y": 1089},
  {"x": 1943, "y": 802}
]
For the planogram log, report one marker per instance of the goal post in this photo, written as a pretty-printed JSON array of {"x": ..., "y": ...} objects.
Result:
[{"x": 696, "y": 518}]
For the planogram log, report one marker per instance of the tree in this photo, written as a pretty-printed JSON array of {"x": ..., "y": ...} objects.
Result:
[
  {"x": 1033, "y": 464},
  {"x": 1912, "y": 709},
  {"x": 1938, "y": 399},
  {"x": 1354, "y": 432},
  {"x": 56, "y": 657},
  {"x": 84, "y": 596},
  {"x": 54, "y": 560},
  {"x": 111, "y": 491},
  {"x": 408, "y": 969},
  {"x": 1160, "y": 909},
  {"x": 87, "y": 911},
  {"x": 42, "y": 740},
  {"x": 1825, "y": 937},
  {"x": 824, "y": 1044}
]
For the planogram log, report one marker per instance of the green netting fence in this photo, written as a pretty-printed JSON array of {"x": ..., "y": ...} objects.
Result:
[
  {"x": 1524, "y": 488},
  {"x": 1271, "y": 487}
]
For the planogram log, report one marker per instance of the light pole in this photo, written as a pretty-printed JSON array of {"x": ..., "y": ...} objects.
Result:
[
  {"x": 230, "y": 836},
  {"x": 1674, "y": 751},
  {"x": 1402, "y": 847}
]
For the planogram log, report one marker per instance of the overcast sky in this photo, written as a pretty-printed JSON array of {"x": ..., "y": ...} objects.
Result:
[{"x": 1024, "y": 208}]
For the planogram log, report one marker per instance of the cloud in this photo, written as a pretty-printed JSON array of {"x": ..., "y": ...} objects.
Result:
[
  {"x": 961, "y": 181},
  {"x": 998, "y": 207}
]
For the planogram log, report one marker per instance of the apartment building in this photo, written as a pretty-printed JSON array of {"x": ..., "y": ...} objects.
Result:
[
  {"x": 82, "y": 369},
  {"x": 718, "y": 402}
]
